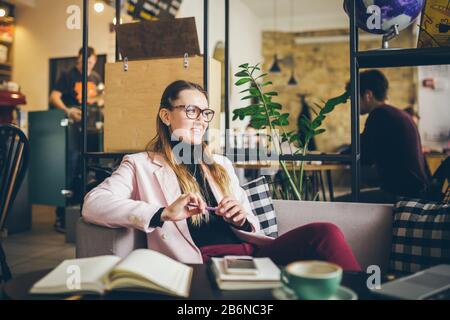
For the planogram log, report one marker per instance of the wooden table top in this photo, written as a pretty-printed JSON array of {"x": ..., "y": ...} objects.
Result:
[{"x": 203, "y": 288}]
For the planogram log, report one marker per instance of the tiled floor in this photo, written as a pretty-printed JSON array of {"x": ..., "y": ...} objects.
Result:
[{"x": 41, "y": 248}]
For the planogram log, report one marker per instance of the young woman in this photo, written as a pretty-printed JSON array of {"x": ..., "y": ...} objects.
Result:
[{"x": 166, "y": 190}]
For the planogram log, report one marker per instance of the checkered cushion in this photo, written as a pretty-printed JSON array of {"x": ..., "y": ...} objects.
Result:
[
  {"x": 421, "y": 235},
  {"x": 262, "y": 206}
]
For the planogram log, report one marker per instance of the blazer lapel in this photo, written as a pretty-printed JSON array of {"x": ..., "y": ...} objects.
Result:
[{"x": 171, "y": 190}]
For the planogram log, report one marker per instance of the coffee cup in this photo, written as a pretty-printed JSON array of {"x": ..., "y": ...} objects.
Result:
[{"x": 312, "y": 280}]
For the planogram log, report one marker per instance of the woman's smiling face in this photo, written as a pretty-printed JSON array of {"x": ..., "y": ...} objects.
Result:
[{"x": 181, "y": 126}]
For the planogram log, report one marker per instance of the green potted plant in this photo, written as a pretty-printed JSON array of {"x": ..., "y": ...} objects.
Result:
[{"x": 267, "y": 114}]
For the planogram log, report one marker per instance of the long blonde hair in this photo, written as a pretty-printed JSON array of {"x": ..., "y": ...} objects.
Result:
[{"x": 161, "y": 144}]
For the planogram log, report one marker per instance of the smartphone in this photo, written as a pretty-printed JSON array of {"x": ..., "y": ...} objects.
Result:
[{"x": 240, "y": 265}]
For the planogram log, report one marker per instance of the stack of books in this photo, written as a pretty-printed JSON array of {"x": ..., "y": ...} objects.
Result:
[{"x": 267, "y": 277}]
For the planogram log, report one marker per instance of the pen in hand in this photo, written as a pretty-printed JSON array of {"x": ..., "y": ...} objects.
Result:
[{"x": 211, "y": 209}]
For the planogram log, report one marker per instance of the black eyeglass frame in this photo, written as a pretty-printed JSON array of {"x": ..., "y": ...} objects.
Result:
[{"x": 199, "y": 111}]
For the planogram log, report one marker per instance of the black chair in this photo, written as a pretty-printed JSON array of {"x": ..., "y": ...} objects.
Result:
[
  {"x": 440, "y": 179},
  {"x": 14, "y": 154}
]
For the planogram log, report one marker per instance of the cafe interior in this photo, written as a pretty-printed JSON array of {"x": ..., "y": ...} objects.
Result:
[{"x": 335, "y": 113}]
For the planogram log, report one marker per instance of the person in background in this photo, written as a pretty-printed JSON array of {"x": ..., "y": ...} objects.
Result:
[
  {"x": 416, "y": 118},
  {"x": 67, "y": 96},
  {"x": 67, "y": 93},
  {"x": 391, "y": 142}
]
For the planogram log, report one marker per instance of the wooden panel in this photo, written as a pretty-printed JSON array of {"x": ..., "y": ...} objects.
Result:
[
  {"x": 158, "y": 39},
  {"x": 132, "y": 98}
]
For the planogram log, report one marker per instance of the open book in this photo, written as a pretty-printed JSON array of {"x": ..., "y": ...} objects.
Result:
[
  {"x": 268, "y": 276},
  {"x": 142, "y": 270}
]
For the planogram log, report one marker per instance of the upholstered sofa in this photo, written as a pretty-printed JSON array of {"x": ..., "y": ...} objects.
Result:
[{"x": 367, "y": 228}]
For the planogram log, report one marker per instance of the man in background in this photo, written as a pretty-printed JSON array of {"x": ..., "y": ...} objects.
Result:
[
  {"x": 391, "y": 142},
  {"x": 67, "y": 96},
  {"x": 68, "y": 91}
]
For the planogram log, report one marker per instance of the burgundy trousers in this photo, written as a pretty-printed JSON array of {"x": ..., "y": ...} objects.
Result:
[{"x": 316, "y": 241}]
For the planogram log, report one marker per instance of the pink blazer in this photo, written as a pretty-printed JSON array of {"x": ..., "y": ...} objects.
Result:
[{"x": 144, "y": 183}]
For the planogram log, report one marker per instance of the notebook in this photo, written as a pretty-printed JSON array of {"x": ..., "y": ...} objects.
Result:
[
  {"x": 268, "y": 276},
  {"x": 142, "y": 270}
]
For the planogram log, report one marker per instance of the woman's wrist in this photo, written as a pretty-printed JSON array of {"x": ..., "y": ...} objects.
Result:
[
  {"x": 164, "y": 215},
  {"x": 157, "y": 220},
  {"x": 246, "y": 226}
]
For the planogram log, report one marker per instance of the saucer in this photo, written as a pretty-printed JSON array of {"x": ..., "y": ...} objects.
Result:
[{"x": 342, "y": 293}]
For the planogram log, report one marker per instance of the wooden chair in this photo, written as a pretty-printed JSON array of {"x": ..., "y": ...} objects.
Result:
[
  {"x": 440, "y": 182},
  {"x": 14, "y": 154}
]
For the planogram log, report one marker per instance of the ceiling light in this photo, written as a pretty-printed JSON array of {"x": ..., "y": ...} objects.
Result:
[
  {"x": 99, "y": 7},
  {"x": 292, "y": 80},
  {"x": 275, "y": 66}
]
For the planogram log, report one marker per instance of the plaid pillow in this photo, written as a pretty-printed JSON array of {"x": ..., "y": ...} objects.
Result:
[
  {"x": 262, "y": 206},
  {"x": 421, "y": 235}
]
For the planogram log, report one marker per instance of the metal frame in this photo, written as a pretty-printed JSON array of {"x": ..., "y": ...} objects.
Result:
[
  {"x": 354, "y": 88},
  {"x": 84, "y": 95},
  {"x": 372, "y": 59},
  {"x": 227, "y": 74},
  {"x": 205, "y": 45},
  {"x": 117, "y": 23}
]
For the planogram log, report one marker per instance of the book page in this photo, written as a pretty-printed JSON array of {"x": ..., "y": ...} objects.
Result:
[
  {"x": 156, "y": 268},
  {"x": 77, "y": 275}
]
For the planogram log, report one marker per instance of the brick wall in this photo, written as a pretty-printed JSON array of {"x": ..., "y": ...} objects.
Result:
[{"x": 322, "y": 70}]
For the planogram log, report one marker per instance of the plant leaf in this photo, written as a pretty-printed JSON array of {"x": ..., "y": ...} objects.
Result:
[
  {"x": 317, "y": 121},
  {"x": 242, "y": 74},
  {"x": 243, "y": 81},
  {"x": 252, "y": 109},
  {"x": 274, "y": 105},
  {"x": 261, "y": 76},
  {"x": 294, "y": 138},
  {"x": 254, "y": 91},
  {"x": 259, "y": 123},
  {"x": 319, "y": 131}
]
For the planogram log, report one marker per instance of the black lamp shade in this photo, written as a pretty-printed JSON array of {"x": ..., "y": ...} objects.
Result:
[
  {"x": 292, "y": 81},
  {"x": 275, "y": 66}
]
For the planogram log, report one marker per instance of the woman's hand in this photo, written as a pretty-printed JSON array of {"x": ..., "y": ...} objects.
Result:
[
  {"x": 179, "y": 210},
  {"x": 232, "y": 211}
]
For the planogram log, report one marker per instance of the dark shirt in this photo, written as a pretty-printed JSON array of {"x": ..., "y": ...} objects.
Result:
[
  {"x": 391, "y": 141},
  {"x": 216, "y": 231},
  {"x": 69, "y": 84}
]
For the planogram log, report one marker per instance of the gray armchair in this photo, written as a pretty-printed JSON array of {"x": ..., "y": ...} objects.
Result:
[{"x": 367, "y": 228}]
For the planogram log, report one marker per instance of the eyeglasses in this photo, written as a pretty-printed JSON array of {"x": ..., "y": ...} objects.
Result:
[{"x": 193, "y": 112}]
